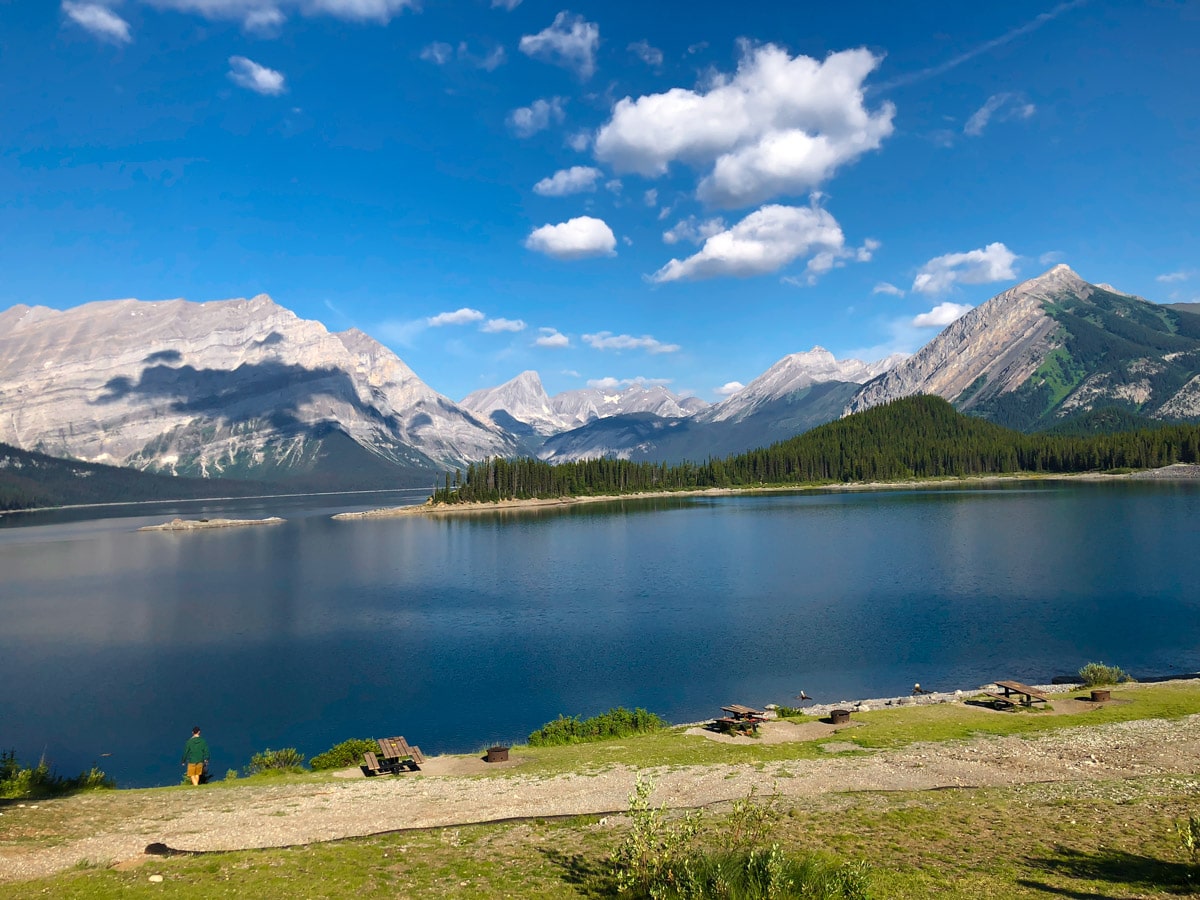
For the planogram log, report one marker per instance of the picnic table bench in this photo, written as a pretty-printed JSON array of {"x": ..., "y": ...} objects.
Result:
[
  {"x": 738, "y": 718},
  {"x": 1028, "y": 695},
  {"x": 396, "y": 755}
]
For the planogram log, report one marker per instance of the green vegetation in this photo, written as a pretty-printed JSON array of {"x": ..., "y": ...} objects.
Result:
[
  {"x": 916, "y": 437},
  {"x": 1100, "y": 839},
  {"x": 616, "y": 723},
  {"x": 662, "y": 859},
  {"x": 347, "y": 753},
  {"x": 1095, "y": 674},
  {"x": 276, "y": 762},
  {"x": 19, "y": 782}
]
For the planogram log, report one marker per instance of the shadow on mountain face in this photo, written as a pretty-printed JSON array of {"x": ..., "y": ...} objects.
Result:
[
  {"x": 164, "y": 356},
  {"x": 269, "y": 390}
]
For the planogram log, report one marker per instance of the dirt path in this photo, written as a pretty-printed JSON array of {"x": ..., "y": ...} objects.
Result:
[{"x": 40, "y": 839}]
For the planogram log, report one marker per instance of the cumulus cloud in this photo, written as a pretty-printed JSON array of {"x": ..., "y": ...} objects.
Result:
[
  {"x": 606, "y": 340},
  {"x": 464, "y": 316},
  {"x": 651, "y": 56},
  {"x": 253, "y": 77},
  {"x": 1174, "y": 277},
  {"x": 550, "y": 337},
  {"x": 1003, "y": 107},
  {"x": 780, "y": 125},
  {"x": 650, "y": 197},
  {"x": 693, "y": 230},
  {"x": 885, "y": 287},
  {"x": 574, "y": 180},
  {"x": 764, "y": 241},
  {"x": 570, "y": 42},
  {"x": 574, "y": 239},
  {"x": 728, "y": 389},
  {"x": 99, "y": 21},
  {"x": 579, "y": 141},
  {"x": 991, "y": 263},
  {"x": 527, "y": 121},
  {"x": 264, "y": 22},
  {"x": 941, "y": 315},
  {"x": 254, "y": 14},
  {"x": 495, "y": 326}
]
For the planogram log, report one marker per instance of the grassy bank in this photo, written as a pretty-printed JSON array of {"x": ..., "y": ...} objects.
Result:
[{"x": 1082, "y": 838}]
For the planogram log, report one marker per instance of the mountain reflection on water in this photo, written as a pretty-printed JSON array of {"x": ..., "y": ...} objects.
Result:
[{"x": 460, "y": 631}]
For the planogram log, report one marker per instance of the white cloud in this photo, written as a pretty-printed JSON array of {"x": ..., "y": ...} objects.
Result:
[
  {"x": 99, "y": 21},
  {"x": 1174, "y": 277},
  {"x": 1050, "y": 257},
  {"x": 991, "y": 263},
  {"x": 574, "y": 239},
  {"x": 885, "y": 287},
  {"x": 264, "y": 22},
  {"x": 651, "y": 56},
  {"x": 780, "y": 125},
  {"x": 609, "y": 383},
  {"x": 693, "y": 230},
  {"x": 508, "y": 5},
  {"x": 728, "y": 389},
  {"x": 495, "y": 326},
  {"x": 253, "y": 77},
  {"x": 527, "y": 121},
  {"x": 255, "y": 13},
  {"x": 550, "y": 337},
  {"x": 570, "y": 42},
  {"x": 613, "y": 186},
  {"x": 650, "y": 198},
  {"x": 580, "y": 141},
  {"x": 574, "y": 180},
  {"x": 440, "y": 53},
  {"x": 941, "y": 315},
  {"x": 464, "y": 316},
  {"x": 606, "y": 340},
  {"x": 764, "y": 241},
  {"x": 1004, "y": 106}
]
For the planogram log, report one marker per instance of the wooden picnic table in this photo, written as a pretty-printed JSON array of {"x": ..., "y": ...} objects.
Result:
[
  {"x": 1015, "y": 688},
  {"x": 745, "y": 719},
  {"x": 395, "y": 756}
]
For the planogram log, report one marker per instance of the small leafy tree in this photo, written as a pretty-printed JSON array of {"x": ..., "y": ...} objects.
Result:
[{"x": 347, "y": 753}]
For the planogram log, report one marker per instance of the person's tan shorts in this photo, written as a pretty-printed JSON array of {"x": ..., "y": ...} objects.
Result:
[{"x": 195, "y": 769}]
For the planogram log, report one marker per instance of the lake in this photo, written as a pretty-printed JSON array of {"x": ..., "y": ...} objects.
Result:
[{"x": 458, "y": 632}]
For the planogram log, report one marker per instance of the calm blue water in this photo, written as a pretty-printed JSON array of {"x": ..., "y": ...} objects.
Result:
[{"x": 459, "y": 632}]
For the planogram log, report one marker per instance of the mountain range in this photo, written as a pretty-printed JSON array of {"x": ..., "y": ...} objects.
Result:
[{"x": 246, "y": 389}]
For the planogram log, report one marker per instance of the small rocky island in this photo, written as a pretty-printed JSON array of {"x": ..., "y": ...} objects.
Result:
[{"x": 198, "y": 524}]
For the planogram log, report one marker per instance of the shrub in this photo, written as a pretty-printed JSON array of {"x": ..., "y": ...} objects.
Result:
[
  {"x": 617, "y": 722},
  {"x": 347, "y": 753},
  {"x": 1095, "y": 673},
  {"x": 231, "y": 775},
  {"x": 17, "y": 781},
  {"x": 276, "y": 762},
  {"x": 658, "y": 859},
  {"x": 789, "y": 712}
]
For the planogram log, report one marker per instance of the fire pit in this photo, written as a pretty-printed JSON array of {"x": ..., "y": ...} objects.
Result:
[
  {"x": 496, "y": 754},
  {"x": 1101, "y": 696},
  {"x": 839, "y": 716}
]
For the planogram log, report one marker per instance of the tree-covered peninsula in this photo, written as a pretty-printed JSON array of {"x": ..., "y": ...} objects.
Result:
[{"x": 911, "y": 438}]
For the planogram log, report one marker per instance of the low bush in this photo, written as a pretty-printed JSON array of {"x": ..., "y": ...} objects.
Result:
[
  {"x": 617, "y": 722},
  {"x": 1094, "y": 674},
  {"x": 25, "y": 782},
  {"x": 347, "y": 753},
  {"x": 790, "y": 712},
  {"x": 659, "y": 859},
  {"x": 276, "y": 762}
]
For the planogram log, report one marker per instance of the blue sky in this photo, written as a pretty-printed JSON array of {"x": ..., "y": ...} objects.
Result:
[{"x": 604, "y": 192}]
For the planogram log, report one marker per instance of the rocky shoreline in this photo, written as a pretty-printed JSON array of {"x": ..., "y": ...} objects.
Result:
[{"x": 201, "y": 524}]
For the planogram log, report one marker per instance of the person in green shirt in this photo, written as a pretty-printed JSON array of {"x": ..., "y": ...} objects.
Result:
[{"x": 195, "y": 755}]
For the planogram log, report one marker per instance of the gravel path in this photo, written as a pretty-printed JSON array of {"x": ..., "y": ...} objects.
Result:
[{"x": 281, "y": 815}]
